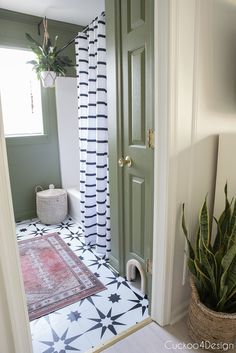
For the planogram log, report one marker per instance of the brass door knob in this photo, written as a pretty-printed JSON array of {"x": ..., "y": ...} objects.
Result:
[{"x": 127, "y": 161}]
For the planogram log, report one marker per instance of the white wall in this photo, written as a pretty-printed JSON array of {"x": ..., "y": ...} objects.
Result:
[
  {"x": 226, "y": 171},
  {"x": 68, "y": 130},
  {"x": 203, "y": 106}
]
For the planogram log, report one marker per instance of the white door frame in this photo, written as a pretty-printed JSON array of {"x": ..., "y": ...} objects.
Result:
[
  {"x": 16, "y": 318},
  {"x": 166, "y": 79},
  {"x": 161, "y": 291},
  {"x": 163, "y": 253}
]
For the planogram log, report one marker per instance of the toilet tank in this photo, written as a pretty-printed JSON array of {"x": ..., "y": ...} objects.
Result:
[{"x": 68, "y": 130}]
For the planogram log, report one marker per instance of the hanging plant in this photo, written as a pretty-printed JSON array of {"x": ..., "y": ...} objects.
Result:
[{"x": 49, "y": 62}]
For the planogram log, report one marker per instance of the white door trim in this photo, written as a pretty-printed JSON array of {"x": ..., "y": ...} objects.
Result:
[
  {"x": 166, "y": 56},
  {"x": 9, "y": 261}
]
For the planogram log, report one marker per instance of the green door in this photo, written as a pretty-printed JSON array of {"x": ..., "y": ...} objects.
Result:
[
  {"x": 137, "y": 67},
  {"x": 131, "y": 184}
]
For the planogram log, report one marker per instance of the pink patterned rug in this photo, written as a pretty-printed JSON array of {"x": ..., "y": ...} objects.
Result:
[{"x": 53, "y": 275}]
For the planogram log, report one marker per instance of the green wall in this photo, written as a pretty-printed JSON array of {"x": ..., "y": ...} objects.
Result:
[{"x": 34, "y": 160}]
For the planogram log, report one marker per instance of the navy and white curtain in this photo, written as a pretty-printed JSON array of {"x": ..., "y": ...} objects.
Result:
[{"x": 93, "y": 134}]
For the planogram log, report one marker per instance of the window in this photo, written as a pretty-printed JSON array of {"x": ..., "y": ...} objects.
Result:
[{"x": 20, "y": 94}]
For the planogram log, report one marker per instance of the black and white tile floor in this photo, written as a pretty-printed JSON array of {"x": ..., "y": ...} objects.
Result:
[{"x": 93, "y": 320}]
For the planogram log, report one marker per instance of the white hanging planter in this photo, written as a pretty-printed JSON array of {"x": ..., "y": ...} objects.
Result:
[{"x": 48, "y": 78}]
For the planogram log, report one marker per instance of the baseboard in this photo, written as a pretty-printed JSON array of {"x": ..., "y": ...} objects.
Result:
[
  {"x": 180, "y": 312},
  {"x": 114, "y": 263},
  {"x": 120, "y": 337},
  {"x": 75, "y": 220}
]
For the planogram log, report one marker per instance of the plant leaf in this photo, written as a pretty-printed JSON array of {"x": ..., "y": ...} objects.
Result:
[
  {"x": 48, "y": 57},
  {"x": 200, "y": 270},
  {"x": 231, "y": 276},
  {"x": 232, "y": 238},
  {"x": 210, "y": 271},
  {"x": 214, "y": 268},
  {"x": 192, "y": 267},
  {"x": 228, "y": 257},
  {"x": 33, "y": 62},
  {"x": 191, "y": 251},
  {"x": 226, "y": 262},
  {"x": 233, "y": 219},
  {"x": 221, "y": 303},
  {"x": 197, "y": 244},
  {"x": 31, "y": 40},
  {"x": 204, "y": 224}
]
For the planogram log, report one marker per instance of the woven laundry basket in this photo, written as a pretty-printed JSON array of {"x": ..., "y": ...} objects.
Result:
[
  {"x": 216, "y": 331},
  {"x": 51, "y": 205}
]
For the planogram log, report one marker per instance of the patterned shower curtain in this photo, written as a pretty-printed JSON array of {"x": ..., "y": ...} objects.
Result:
[{"x": 93, "y": 135}]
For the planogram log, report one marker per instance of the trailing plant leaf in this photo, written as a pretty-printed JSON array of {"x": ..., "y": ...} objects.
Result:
[
  {"x": 32, "y": 62},
  {"x": 30, "y": 39},
  {"x": 48, "y": 57}
]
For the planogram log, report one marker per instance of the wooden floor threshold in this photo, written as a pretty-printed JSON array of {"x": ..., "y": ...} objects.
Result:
[{"x": 120, "y": 337}]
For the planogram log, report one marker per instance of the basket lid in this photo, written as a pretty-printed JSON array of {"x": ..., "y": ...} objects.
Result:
[{"x": 51, "y": 193}]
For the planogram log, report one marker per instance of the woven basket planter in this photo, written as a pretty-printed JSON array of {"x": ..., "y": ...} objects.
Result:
[{"x": 210, "y": 327}]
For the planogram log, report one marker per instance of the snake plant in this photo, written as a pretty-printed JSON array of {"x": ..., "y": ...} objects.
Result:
[
  {"x": 212, "y": 259},
  {"x": 48, "y": 57}
]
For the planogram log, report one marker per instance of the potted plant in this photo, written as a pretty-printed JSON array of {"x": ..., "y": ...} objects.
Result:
[
  {"x": 212, "y": 263},
  {"x": 49, "y": 62}
]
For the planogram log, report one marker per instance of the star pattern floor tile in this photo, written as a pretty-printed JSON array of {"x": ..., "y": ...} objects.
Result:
[{"x": 95, "y": 319}]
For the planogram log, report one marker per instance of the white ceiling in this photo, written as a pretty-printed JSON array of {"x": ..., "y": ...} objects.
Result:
[{"x": 80, "y": 12}]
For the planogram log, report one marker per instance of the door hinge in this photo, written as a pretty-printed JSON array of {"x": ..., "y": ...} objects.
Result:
[
  {"x": 149, "y": 266},
  {"x": 150, "y": 138}
]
